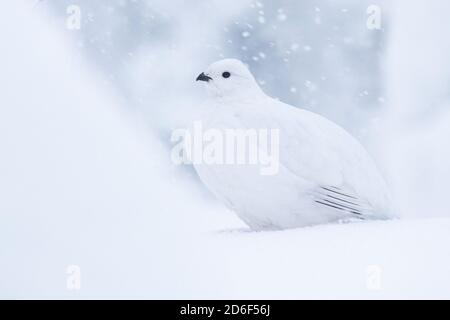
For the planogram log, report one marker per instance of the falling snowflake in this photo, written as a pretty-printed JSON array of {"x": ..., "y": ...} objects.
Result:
[{"x": 281, "y": 15}]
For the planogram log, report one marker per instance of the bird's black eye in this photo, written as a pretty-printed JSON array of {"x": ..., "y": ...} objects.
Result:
[{"x": 226, "y": 74}]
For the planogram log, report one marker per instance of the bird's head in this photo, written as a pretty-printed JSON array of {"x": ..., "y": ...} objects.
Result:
[{"x": 229, "y": 79}]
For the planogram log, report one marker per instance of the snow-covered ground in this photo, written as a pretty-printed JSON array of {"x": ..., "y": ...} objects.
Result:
[{"x": 82, "y": 183}]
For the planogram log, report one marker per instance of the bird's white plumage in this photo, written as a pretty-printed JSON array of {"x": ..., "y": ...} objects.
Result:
[{"x": 324, "y": 176}]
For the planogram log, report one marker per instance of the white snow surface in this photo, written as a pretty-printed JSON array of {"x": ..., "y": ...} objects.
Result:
[{"x": 82, "y": 185}]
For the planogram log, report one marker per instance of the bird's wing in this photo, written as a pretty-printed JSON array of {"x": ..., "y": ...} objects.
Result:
[
  {"x": 346, "y": 203},
  {"x": 341, "y": 173}
]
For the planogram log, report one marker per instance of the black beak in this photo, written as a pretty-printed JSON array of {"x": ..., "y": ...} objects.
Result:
[{"x": 203, "y": 77}]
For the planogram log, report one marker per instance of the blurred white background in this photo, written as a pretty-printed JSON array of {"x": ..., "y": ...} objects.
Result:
[{"x": 85, "y": 171}]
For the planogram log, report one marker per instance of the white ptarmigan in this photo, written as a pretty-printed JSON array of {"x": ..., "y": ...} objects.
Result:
[{"x": 324, "y": 174}]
